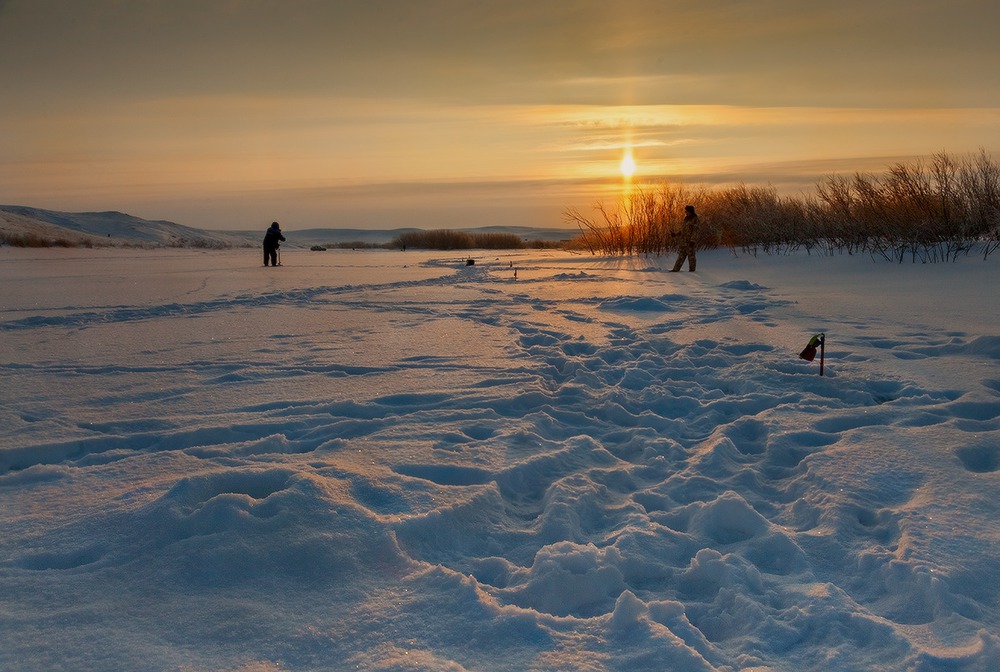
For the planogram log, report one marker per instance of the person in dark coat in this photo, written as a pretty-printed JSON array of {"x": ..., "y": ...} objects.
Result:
[
  {"x": 271, "y": 242},
  {"x": 689, "y": 241}
]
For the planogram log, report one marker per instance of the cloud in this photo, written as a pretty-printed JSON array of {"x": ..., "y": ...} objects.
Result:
[{"x": 629, "y": 52}]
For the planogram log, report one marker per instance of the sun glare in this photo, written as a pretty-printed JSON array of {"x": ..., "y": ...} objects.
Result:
[{"x": 628, "y": 165}]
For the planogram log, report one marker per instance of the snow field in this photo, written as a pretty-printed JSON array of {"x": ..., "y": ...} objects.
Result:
[{"x": 392, "y": 461}]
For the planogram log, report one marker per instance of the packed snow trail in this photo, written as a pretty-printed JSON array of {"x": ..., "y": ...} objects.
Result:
[{"x": 401, "y": 462}]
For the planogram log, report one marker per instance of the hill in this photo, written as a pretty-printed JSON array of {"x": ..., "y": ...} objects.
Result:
[{"x": 47, "y": 227}]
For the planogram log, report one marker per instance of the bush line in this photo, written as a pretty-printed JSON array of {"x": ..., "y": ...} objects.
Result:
[
  {"x": 445, "y": 239},
  {"x": 919, "y": 211}
]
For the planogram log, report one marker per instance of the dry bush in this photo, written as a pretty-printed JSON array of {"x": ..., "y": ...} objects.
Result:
[
  {"x": 497, "y": 241},
  {"x": 756, "y": 219},
  {"x": 445, "y": 239},
  {"x": 34, "y": 240},
  {"x": 645, "y": 222},
  {"x": 604, "y": 235},
  {"x": 918, "y": 211},
  {"x": 979, "y": 191},
  {"x": 440, "y": 239}
]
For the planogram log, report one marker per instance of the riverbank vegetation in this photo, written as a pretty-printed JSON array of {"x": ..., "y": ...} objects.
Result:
[{"x": 921, "y": 211}]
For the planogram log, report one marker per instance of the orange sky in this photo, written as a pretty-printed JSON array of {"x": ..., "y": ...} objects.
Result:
[{"x": 382, "y": 114}]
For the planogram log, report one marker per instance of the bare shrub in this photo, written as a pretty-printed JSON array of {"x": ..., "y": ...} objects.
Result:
[
  {"x": 599, "y": 236},
  {"x": 922, "y": 211},
  {"x": 979, "y": 191},
  {"x": 201, "y": 243},
  {"x": 439, "y": 239},
  {"x": 445, "y": 239},
  {"x": 644, "y": 222},
  {"x": 497, "y": 241},
  {"x": 919, "y": 211},
  {"x": 756, "y": 218},
  {"x": 34, "y": 240}
]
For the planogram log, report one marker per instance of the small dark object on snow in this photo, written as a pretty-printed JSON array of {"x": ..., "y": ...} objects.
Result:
[
  {"x": 470, "y": 262},
  {"x": 809, "y": 352}
]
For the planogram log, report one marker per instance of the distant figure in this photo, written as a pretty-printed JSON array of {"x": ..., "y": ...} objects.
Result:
[
  {"x": 688, "y": 245},
  {"x": 271, "y": 243}
]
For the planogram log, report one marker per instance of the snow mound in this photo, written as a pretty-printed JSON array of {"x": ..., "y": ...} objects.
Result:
[{"x": 744, "y": 285}]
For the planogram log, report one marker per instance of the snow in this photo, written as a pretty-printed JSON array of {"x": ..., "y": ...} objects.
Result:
[{"x": 393, "y": 461}]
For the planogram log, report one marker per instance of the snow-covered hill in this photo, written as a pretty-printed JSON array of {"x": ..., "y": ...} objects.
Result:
[{"x": 105, "y": 228}]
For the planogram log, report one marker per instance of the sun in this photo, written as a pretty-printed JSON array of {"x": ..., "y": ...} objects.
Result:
[{"x": 627, "y": 165}]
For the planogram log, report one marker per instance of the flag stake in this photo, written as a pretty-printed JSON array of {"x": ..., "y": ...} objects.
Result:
[{"x": 822, "y": 352}]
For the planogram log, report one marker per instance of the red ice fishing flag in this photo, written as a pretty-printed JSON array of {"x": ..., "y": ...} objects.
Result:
[{"x": 809, "y": 353}]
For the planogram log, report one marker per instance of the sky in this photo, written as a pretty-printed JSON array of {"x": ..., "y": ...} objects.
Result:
[{"x": 381, "y": 114}]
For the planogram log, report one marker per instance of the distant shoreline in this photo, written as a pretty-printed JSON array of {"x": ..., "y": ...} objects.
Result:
[{"x": 26, "y": 226}]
